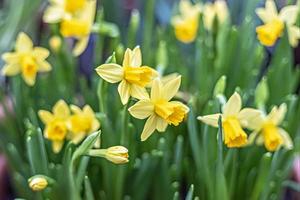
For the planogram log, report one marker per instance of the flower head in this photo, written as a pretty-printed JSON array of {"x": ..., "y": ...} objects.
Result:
[
  {"x": 267, "y": 131},
  {"x": 132, "y": 76},
  {"x": 82, "y": 122},
  {"x": 233, "y": 119},
  {"x": 56, "y": 124},
  {"x": 217, "y": 10},
  {"x": 159, "y": 110},
  {"x": 27, "y": 60},
  {"x": 115, "y": 154},
  {"x": 186, "y": 23},
  {"x": 37, "y": 183},
  {"x": 76, "y": 19},
  {"x": 274, "y": 24}
]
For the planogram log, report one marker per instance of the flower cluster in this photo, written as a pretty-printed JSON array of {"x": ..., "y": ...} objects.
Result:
[
  {"x": 157, "y": 107},
  {"x": 68, "y": 123},
  {"x": 234, "y": 119}
]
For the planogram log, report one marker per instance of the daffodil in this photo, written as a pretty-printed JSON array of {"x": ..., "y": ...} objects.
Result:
[
  {"x": 56, "y": 124},
  {"x": 132, "y": 76},
  {"x": 233, "y": 119},
  {"x": 115, "y": 154},
  {"x": 267, "y": 131},
  {"x": 159, "y": 110},
  {"x": 82, "y": 122},
  {"x": 274, "y": 23},
  {"x": 217, "y": 10},
  {"x": 186, "y": 22},
  {"x": 76, "y": 19},
  {"x": 27, "y": 60}
]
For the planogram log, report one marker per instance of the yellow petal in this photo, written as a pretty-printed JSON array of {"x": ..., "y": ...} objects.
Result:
[
  {"x": 95, "y": 125},
  {"x": 294, "y": 35},
  {"x": 53, "y": 14},
  {"x": 75, "y": 109},
  {"x": 78, "y": 137},
  {"x": 287, "y": 141},
  {"x": 61, "y": 110},
  {"x": 156, "y": 90},
  {"x": 142, "y": 109},
  {"x": 11, "y": 70},
  {"x": 289, "y": 14},
  {"x": 161, "y": 125},
  {"x": 251, "y": 118},
  {"x": 11, "y": 58},
  {"x": 211, "y": 120},
  {"x": 252, "y": 137},
  {"x": 136, "y": 59},
  {"x": 138, "y": 92},
  {"x": 112, "y": 73},
  {"x": 45, "y": 116},
  {"x": 124, "y": 91},
  {"x": 57, "y": 146},
  {"x": 88, "y": 110},
  {"x": 170, "y": 89},
  {"x": 40, "y": 53},
  {"x": 127, "y": 58},
  {"x": 277, "y": 114},
  {"x": 80, "y": 46},
  {"x": 44, "y": 66},
  {"x": 149, "y": 127},
  {"x": 271, "y": 7},
  {"x": 165, "y": 79},
  {"x": 23, "y": 43},
  {"x": 233, "y": 105},
  {"x": 29, "y": 79}
]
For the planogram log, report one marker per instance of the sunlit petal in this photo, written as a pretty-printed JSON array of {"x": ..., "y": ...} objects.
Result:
[
  {"x": 11, "y": 69},
  {"x": 250, "y": 118},
  {"x": 142, "y": 109},
  {"x": 61, "y": 109},
  {"x": 289, "y": 14},
  {"x": 45, "y": 116},
  {"x": 161, "y": 124},
  {"x": 149, "y": 127},
  {"x": 138, "y": 92},
  {"x": 136, "y": 59},
  {"x": 277, "y": 114},
  {"x": 112, "y": 73},
  {"x": 23, "y": 43},
  {"x": 156, "y": 89},
  {"x": 124, "y": 91},
  {"x": 170, "y": 89},
  {"x": 211, "y": 120},
  {"x": 233, "y": 105}
]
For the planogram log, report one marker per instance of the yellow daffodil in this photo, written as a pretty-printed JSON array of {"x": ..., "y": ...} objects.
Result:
[
  {"x": 38, "y": 183},
  {"x": 218, "y": 10},
  {"x": 267, "y": 132},
  {"x": 159, "y": 110},
  {"x": 115, "y": 154},
  {"x": 27, "y": 60},
  {"x": 132, "y": 76},
  {"x": 76, "y": 19},
  {"x": 82, "y": 122},
  {"x": 186, "y": 23},
  {"x": 274, "y": 24},
  {"x": 56, "y": 124},
  {"x": 233, "y": 119}
]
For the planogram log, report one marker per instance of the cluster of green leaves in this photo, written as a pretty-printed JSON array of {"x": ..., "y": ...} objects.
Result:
[{"x": 188, "y": 161}]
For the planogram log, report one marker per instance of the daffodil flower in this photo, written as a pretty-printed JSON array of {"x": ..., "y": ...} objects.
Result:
[
  {"x": 186, "y": 23},
  {"x": 267, "y": 131},
  {"x": 274, "y": 24},
  {"x": 76, "y": 19},
  {"x": 218, "y": 10},
  {"x": 159, "y": 110},
  {"x": 27, "y": 60},
  {"x": 56, "y": 124},
  {"x": 233, "y": 119},
  {"x": 82, "y": 122},
  {"x": 132, "y": 76}
]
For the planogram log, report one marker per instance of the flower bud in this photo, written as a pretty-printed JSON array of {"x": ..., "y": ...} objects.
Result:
[
  {"x": 115, "y": 154},
  {"x": 55, "y": 43},
  {"x": 38, "y": 183}
]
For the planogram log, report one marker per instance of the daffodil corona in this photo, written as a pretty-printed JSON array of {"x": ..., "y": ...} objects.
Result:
[
  {"x": 233, "y": 121},
  {"x": 159, "y": 110},
  {"x": 274, "y": 23},
  {"x": 267, "y": 131},
  {"x": 27, "y": 60},
  {"x": 132, "y": 76}
]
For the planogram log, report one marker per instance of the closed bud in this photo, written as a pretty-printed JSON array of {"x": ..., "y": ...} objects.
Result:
[
  {"x": 38, "y": 183},
  {"x": 261, "y": 93},
  {"x": 220, "y": 86},
  {"x": 55, "y": 43},
  {"x": 115, "y": 154}
]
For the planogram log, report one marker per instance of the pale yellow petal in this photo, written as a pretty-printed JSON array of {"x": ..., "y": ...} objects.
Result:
[
  {"x": 11, "y": 58},
  {"x": 11, "y": 70},
  {"x": 57, "y": 146},
  {"x": 127, "y": 58},
  {"x": 112, "y": 73},
  {"x": 211, "y": 120},
  {"x": 80, "y": 46},
  {"x": 77, "y": 138},
  {"x": 29, "y": 79},
  {"x": 170, "y": 89},
  {"x": 277, "y": 114},
  {"x": 23, "y": 43},
  {"x": 142, "y": 109},
  {"x": 75, "y": 109},
  {"x": 287, "y": 141},
  {"x": 289, "y": 14},
  {"x": 251, "y": 118},
  {"x": 264, "y": 15},
  {"x": 88, "y": 110},
  {"x": 149, "y": 127},
  {"x": 40, "y": 53},
  {"x": 45, "y": 116},
  {"x": 138, "y": 92},
  {"x": 165, "y": 79},
  {"x": 161, "y": 125},
  {"x": 53, "y": 14},
  {"x": 271, "y": 7},
  {"x": 252, "y": 137},
  {"x": 294, "y": 35},
  {"x": 124, "y": 91},
  {"x": 156, "y": 90},
  {"x": 61, "y": 110},
  {"x": 136, "y": 59},
  {"x": 95, "y": 125},
  {"x": 44, "y": 66},
  {"x": 233, "y": 105}
]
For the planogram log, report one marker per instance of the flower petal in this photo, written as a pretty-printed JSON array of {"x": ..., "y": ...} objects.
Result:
[
  {"x": 124, "y": 91},
  {"x": 76, "y": 138},
  {"x": 112, "y": 73},
  {"x": 294, "y": 35},
  {"x": 149, "y": 127},
  {"x": 57, "y": 145},
  {"x": 61, "y": 110},
  {"x": 211, "y": 120},
  {"x": 170, "y": 89},
  {"x": 80, "y": 46},
  {"x": 233, "y": 105},
  {"x": 251, "y": 118},
  {"x": 156, "y": 89},
  {"x": 75, "y": 109},
  {"x": 23, "y": 43},
  {"x": 161, "y": 124},
  {"x": 29, "y": 79},
  {"x": 287, "y": 141},
  {"x": 45, "y": 116},
  {"x": 127, "y": 58},
  {"x": 53, "y": 14},
  {"x": 138, "y": 92},
  {"x": 40, "y": 53},
  {"x": 142, "y": 109},
  {"x": 289, "y": 14},
  {"x": 136, "y": 58},
  {"x": 277, "y": 114},
  {"x": 11, "y": 58},
  {"x": 44, "y": 66},
  {"x": 11, "y": 70}
]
